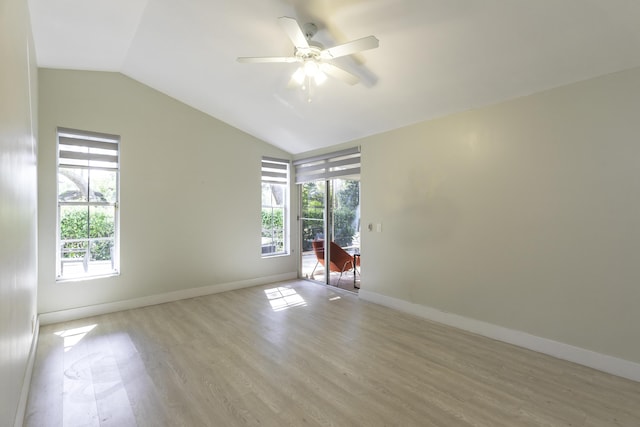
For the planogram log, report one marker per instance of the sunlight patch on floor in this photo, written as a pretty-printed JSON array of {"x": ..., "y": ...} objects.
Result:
[
  {"x": 73, "y": 336},
  {"x": 282, "y": 298}
]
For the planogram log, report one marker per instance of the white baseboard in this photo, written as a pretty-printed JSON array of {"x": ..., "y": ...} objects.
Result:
[
  {"x": 602, "y": 362},
  {"x": 95, "y": 310},
  {"x": 28, "y": 372}
]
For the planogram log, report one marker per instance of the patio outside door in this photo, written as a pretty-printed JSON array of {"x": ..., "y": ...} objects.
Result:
[{"x": 330, "y": 212}]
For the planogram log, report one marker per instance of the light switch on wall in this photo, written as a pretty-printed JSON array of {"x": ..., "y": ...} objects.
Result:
[{"x": 375, "y": 227}]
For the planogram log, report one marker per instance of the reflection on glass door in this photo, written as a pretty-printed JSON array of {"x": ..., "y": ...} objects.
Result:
[
  {"x": 331, "y": 216},
  {"x": 313, "y": 229}
]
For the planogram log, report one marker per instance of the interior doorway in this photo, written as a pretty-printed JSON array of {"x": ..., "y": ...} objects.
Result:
[{"x": 330, "y": 232}]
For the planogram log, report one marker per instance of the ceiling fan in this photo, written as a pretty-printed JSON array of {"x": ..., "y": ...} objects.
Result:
[{"x": 313, "y": 57}]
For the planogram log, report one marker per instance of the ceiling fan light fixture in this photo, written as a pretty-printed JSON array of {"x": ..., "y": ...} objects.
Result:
[
  {"x": 311, "y": 68},
  {"x": 320, "y": 77},
  {"x": 299, "y": 76}
]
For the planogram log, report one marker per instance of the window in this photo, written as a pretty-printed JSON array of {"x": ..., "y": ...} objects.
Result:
[
  {"x": 275, "y": 207},
  {"x": 88, "y": 181}
]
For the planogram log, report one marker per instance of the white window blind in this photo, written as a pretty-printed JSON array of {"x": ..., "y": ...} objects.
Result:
[
  {"x": 82, "y": 148},
  {"x": 339, "y": 164},
  {"x": 275, "y": 171}
]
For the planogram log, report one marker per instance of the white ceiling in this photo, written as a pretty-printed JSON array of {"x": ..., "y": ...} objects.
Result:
[{"x": 435, "y": 57}]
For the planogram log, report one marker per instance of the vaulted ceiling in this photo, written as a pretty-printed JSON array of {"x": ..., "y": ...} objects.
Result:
[{"x": 435, "y": 57}]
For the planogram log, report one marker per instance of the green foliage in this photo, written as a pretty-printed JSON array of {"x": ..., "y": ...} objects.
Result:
[
  {"x": 76, "y": 224},
  {"x": 272, "y": 218},
  {"x": 273, "y": 226},
  {"x": 349, "y": 195},
  {"x": 344, "y": 213},
  {"x": 347, "y": 200},
  {"x": 343, "y": 219},
  {"x": 312, "y": 212}
]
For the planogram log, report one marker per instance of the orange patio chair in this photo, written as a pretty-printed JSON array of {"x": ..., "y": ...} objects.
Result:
[{"x": 341, "y": 261}]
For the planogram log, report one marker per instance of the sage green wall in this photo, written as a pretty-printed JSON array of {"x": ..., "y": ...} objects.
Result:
[
  {"x": 190, "y": 191},
  {"x": 18, "y": 204},
  {"x": 524, "y": 214}
]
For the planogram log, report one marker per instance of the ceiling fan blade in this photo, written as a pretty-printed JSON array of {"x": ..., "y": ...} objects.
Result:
[
  {"x": 355, "y": 46},
  {"x": 339, "y": 73},
  {"x": 291, "y": 27},
  {"x": 262, "y": 59}
]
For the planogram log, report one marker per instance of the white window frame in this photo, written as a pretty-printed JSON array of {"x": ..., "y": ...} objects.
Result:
[
  {"x": 276, "y": 172},
  {"x": 102, "y": 154}
]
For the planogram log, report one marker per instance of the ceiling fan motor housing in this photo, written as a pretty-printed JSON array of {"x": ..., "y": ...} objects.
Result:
[
  {"x": 310, "y": 29},
  {"x": 313, "y": 51}
]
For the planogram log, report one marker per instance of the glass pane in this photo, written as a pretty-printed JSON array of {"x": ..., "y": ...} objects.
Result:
[
  {"x": 73, "y": 184},
  {"x": 266, "y": 195},
  {"x": 74, "y": 250},
  {"x": 345, "y": 232},
  {"x": 103, "y": 185},
  {"x": 102, "y": 237},
  {"x": 74, "y": 260},
  {"x": 87, "y": 240},
  {"x": 346, "y": 213},
  {"x": 74, "y": 223},
  {"x": 73, "y": 245},
  {"x": 101, "y": 250},
  {"x": 312, "y": 212},
  {"x": 273, "y": 195},
  {"x": 102, "y": 222},
  {"x": 313, "y": 230},
  {"x": 272, "y": 230}
]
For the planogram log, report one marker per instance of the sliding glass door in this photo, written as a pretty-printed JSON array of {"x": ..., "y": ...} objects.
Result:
[
  {"x": 330, "y": 230},
  {"x": 329, "y": 186}
]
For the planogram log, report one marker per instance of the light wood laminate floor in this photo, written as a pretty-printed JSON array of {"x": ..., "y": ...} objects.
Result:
[{"x": 299, "y": 353}]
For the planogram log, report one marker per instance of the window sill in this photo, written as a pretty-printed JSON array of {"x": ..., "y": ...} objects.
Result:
[
  {"x": 85, "y": 278},
  {"x": 279, "y": 255}
]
